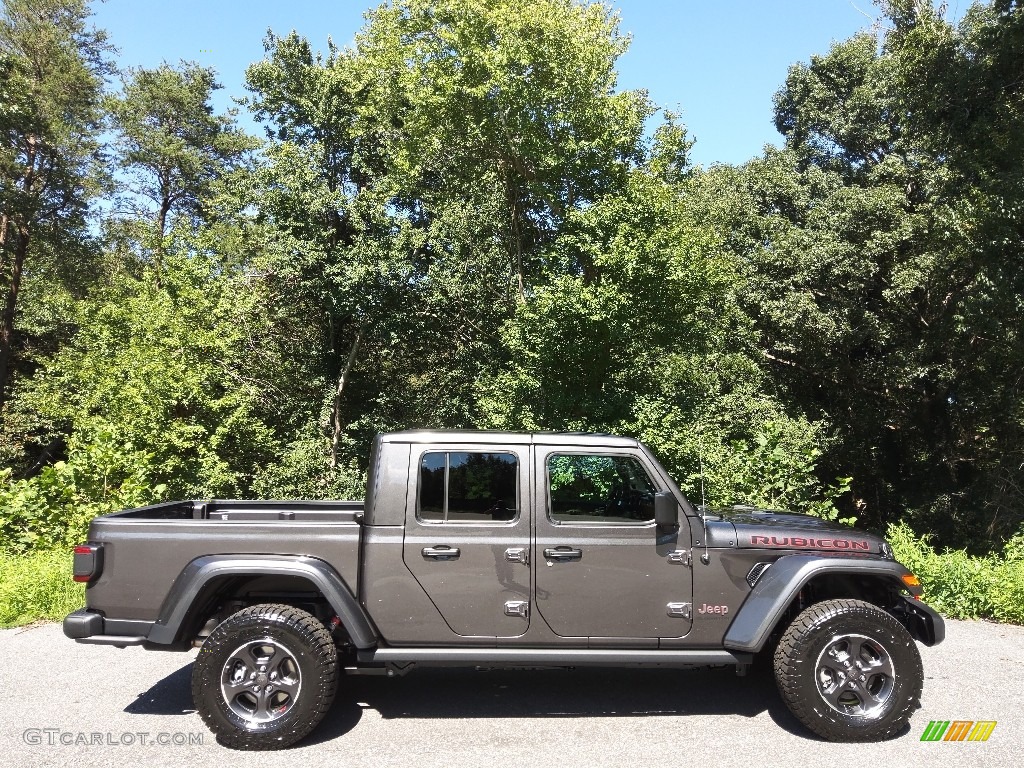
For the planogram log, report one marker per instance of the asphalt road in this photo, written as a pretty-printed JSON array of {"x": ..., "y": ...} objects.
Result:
[{"x": 55, "y": 690}]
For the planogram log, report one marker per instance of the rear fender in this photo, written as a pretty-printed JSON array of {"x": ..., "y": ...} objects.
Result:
[{"x": 198, "y": 574}]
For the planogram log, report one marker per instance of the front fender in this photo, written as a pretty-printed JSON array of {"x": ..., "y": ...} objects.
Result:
[{"x": 783, "y": 580}]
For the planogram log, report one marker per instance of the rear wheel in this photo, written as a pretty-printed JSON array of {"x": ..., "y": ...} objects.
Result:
[
  {"x": 849, "y": 671},
  {"x": 265, "y": 677}
]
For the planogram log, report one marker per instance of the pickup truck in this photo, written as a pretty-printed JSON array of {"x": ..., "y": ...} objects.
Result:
[{"x": 503, "y": 549}]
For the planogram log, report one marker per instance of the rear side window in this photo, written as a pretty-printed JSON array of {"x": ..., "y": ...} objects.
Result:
[
  {"x": 599, "y": 489},
  {"x": 463, "y": 487}
]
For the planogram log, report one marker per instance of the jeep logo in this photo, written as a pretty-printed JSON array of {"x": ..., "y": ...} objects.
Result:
[{"x": 721, "y": 610}]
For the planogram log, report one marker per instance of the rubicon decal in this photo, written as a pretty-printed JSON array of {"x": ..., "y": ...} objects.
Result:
[
  {"x": 958, "y": 730},
  {"x": 800, "y": 542}
]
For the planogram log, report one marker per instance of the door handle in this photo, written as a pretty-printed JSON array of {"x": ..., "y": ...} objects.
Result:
[
  {"x": 441, "y": 552},
  {"x": 563, "y": 554}
]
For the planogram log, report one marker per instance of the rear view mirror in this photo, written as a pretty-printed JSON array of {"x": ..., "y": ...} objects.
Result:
[{"x": 666, "y": 510}]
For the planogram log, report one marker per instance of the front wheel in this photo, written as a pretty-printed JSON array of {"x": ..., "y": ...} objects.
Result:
[
  {"x": 265, "y": 677},
  {"x": 849, "y": 671}
]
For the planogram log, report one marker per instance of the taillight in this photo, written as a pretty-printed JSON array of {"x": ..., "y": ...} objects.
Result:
[{"x": 88, "y": 562}]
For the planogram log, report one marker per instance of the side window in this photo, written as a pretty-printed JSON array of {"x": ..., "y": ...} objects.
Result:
[
  {"x": 584, "y": 488},
  {"x": 468, "y": 487}
]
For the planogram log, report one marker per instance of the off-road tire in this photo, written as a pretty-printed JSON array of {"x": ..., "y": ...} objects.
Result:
[
  {"x": 264, "y": 641},
  {"x": 849, "y": 671}
]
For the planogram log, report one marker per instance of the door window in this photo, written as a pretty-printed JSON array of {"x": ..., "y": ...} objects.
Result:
[
  {"x": 462, "y": 487},
  {"x": 599, "y": 489}
]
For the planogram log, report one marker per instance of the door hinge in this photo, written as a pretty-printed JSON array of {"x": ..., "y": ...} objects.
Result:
[
  {"x": 680, "y": 557},
  {"x": 678, "y": 610},
  {"x": 518, "y": 608}
]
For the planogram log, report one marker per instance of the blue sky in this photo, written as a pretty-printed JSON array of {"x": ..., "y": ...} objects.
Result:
[{"x": 717, "y": 63}]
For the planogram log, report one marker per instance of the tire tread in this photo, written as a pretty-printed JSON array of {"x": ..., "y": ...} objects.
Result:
[
  {"x": 791, "y": 671},
  {"x": 317, "y": 641}
]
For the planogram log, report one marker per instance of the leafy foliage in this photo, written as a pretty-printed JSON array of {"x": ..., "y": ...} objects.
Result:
[
  {"x": 163, "y": 367},
  {"x": 883, "y": 253},
  {"x": 963, "y": 586},
  {"x": 461, "y": 221},
  {"x": 170, "y": 145},
  {"x": 53, "y": 509},
  {"x": 53, "y": 67}
]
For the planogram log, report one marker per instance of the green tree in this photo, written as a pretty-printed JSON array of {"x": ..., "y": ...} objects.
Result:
[
  {"x": 161, "y": 373},
  {"x": 170, "y": 144},
  {"x": 422, "y": 175},
  {"x": 165, "y": 372},
  {"x": 53, "y": 67},
  {"x": 636, "y": 329},
  {"x": 883, "y": 252},
  {"x": 508, "y": 107}
]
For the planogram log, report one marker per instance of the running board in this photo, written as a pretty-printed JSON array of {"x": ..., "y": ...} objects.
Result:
[{"x": 553, "y": 656}]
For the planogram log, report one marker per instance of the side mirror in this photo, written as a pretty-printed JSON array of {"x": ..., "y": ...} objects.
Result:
[{"x": 666, "y": 510}]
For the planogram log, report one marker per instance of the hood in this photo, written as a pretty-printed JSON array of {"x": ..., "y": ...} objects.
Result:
[{"x": 749, "y": 528}]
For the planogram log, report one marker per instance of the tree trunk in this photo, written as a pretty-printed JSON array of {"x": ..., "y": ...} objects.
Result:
[
  {"x": 10, "y": 312},
  {"x": 161, "y": 221},
  {"x": 515, "y": 233},
  {"x": 167, "y": 198},
  {"x": 4, "y": 225},
  {"x": 3, "y": 241},
  {"x": 336, "y": 410},
  {"x": 161, "y": 227}
]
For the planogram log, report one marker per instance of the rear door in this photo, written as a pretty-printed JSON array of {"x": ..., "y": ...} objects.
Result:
[
  {"x": 467, "y": 536},
  {"x": 604, "y": 569}
]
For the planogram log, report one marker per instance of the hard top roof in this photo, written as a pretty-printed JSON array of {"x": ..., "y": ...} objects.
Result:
[{"x": 498, "y": 437}]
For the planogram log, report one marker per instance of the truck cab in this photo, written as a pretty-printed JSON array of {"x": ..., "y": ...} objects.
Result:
[{"x": 549, "y": 539}]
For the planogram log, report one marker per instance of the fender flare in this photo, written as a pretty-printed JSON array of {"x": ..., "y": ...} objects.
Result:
[
  {"x": 201, "y": 571},
  {"x": 783, "y": 580}
]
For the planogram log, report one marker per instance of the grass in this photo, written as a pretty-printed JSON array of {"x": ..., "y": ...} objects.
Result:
[{"x": 37, "y": 586}]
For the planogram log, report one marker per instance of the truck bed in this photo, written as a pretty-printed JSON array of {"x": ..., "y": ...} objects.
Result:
[{"x": 157, "y": 543}]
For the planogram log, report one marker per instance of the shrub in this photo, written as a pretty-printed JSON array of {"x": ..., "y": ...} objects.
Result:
[
  {"x": 963, "y": 586},
  {"x": 53, "y": 509}
]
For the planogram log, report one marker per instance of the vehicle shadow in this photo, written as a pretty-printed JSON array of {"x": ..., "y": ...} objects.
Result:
[
  {"x": 435, "y": 693},
  {"x": 170, "y": 696}
]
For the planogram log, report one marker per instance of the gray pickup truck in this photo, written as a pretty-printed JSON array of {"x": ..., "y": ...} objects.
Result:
[{"x": 503, "y": 549}]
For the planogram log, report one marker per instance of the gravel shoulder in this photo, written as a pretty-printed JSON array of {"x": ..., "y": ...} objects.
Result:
[{"x": 65, "y": 697}]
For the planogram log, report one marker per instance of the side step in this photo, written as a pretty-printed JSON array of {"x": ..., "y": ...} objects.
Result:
[{"x": 553, "y": 657}]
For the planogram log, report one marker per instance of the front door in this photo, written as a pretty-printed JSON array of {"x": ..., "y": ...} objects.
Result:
[
  {"x": 467, "y": 537},
  {"x": 604, "y": 568}
]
